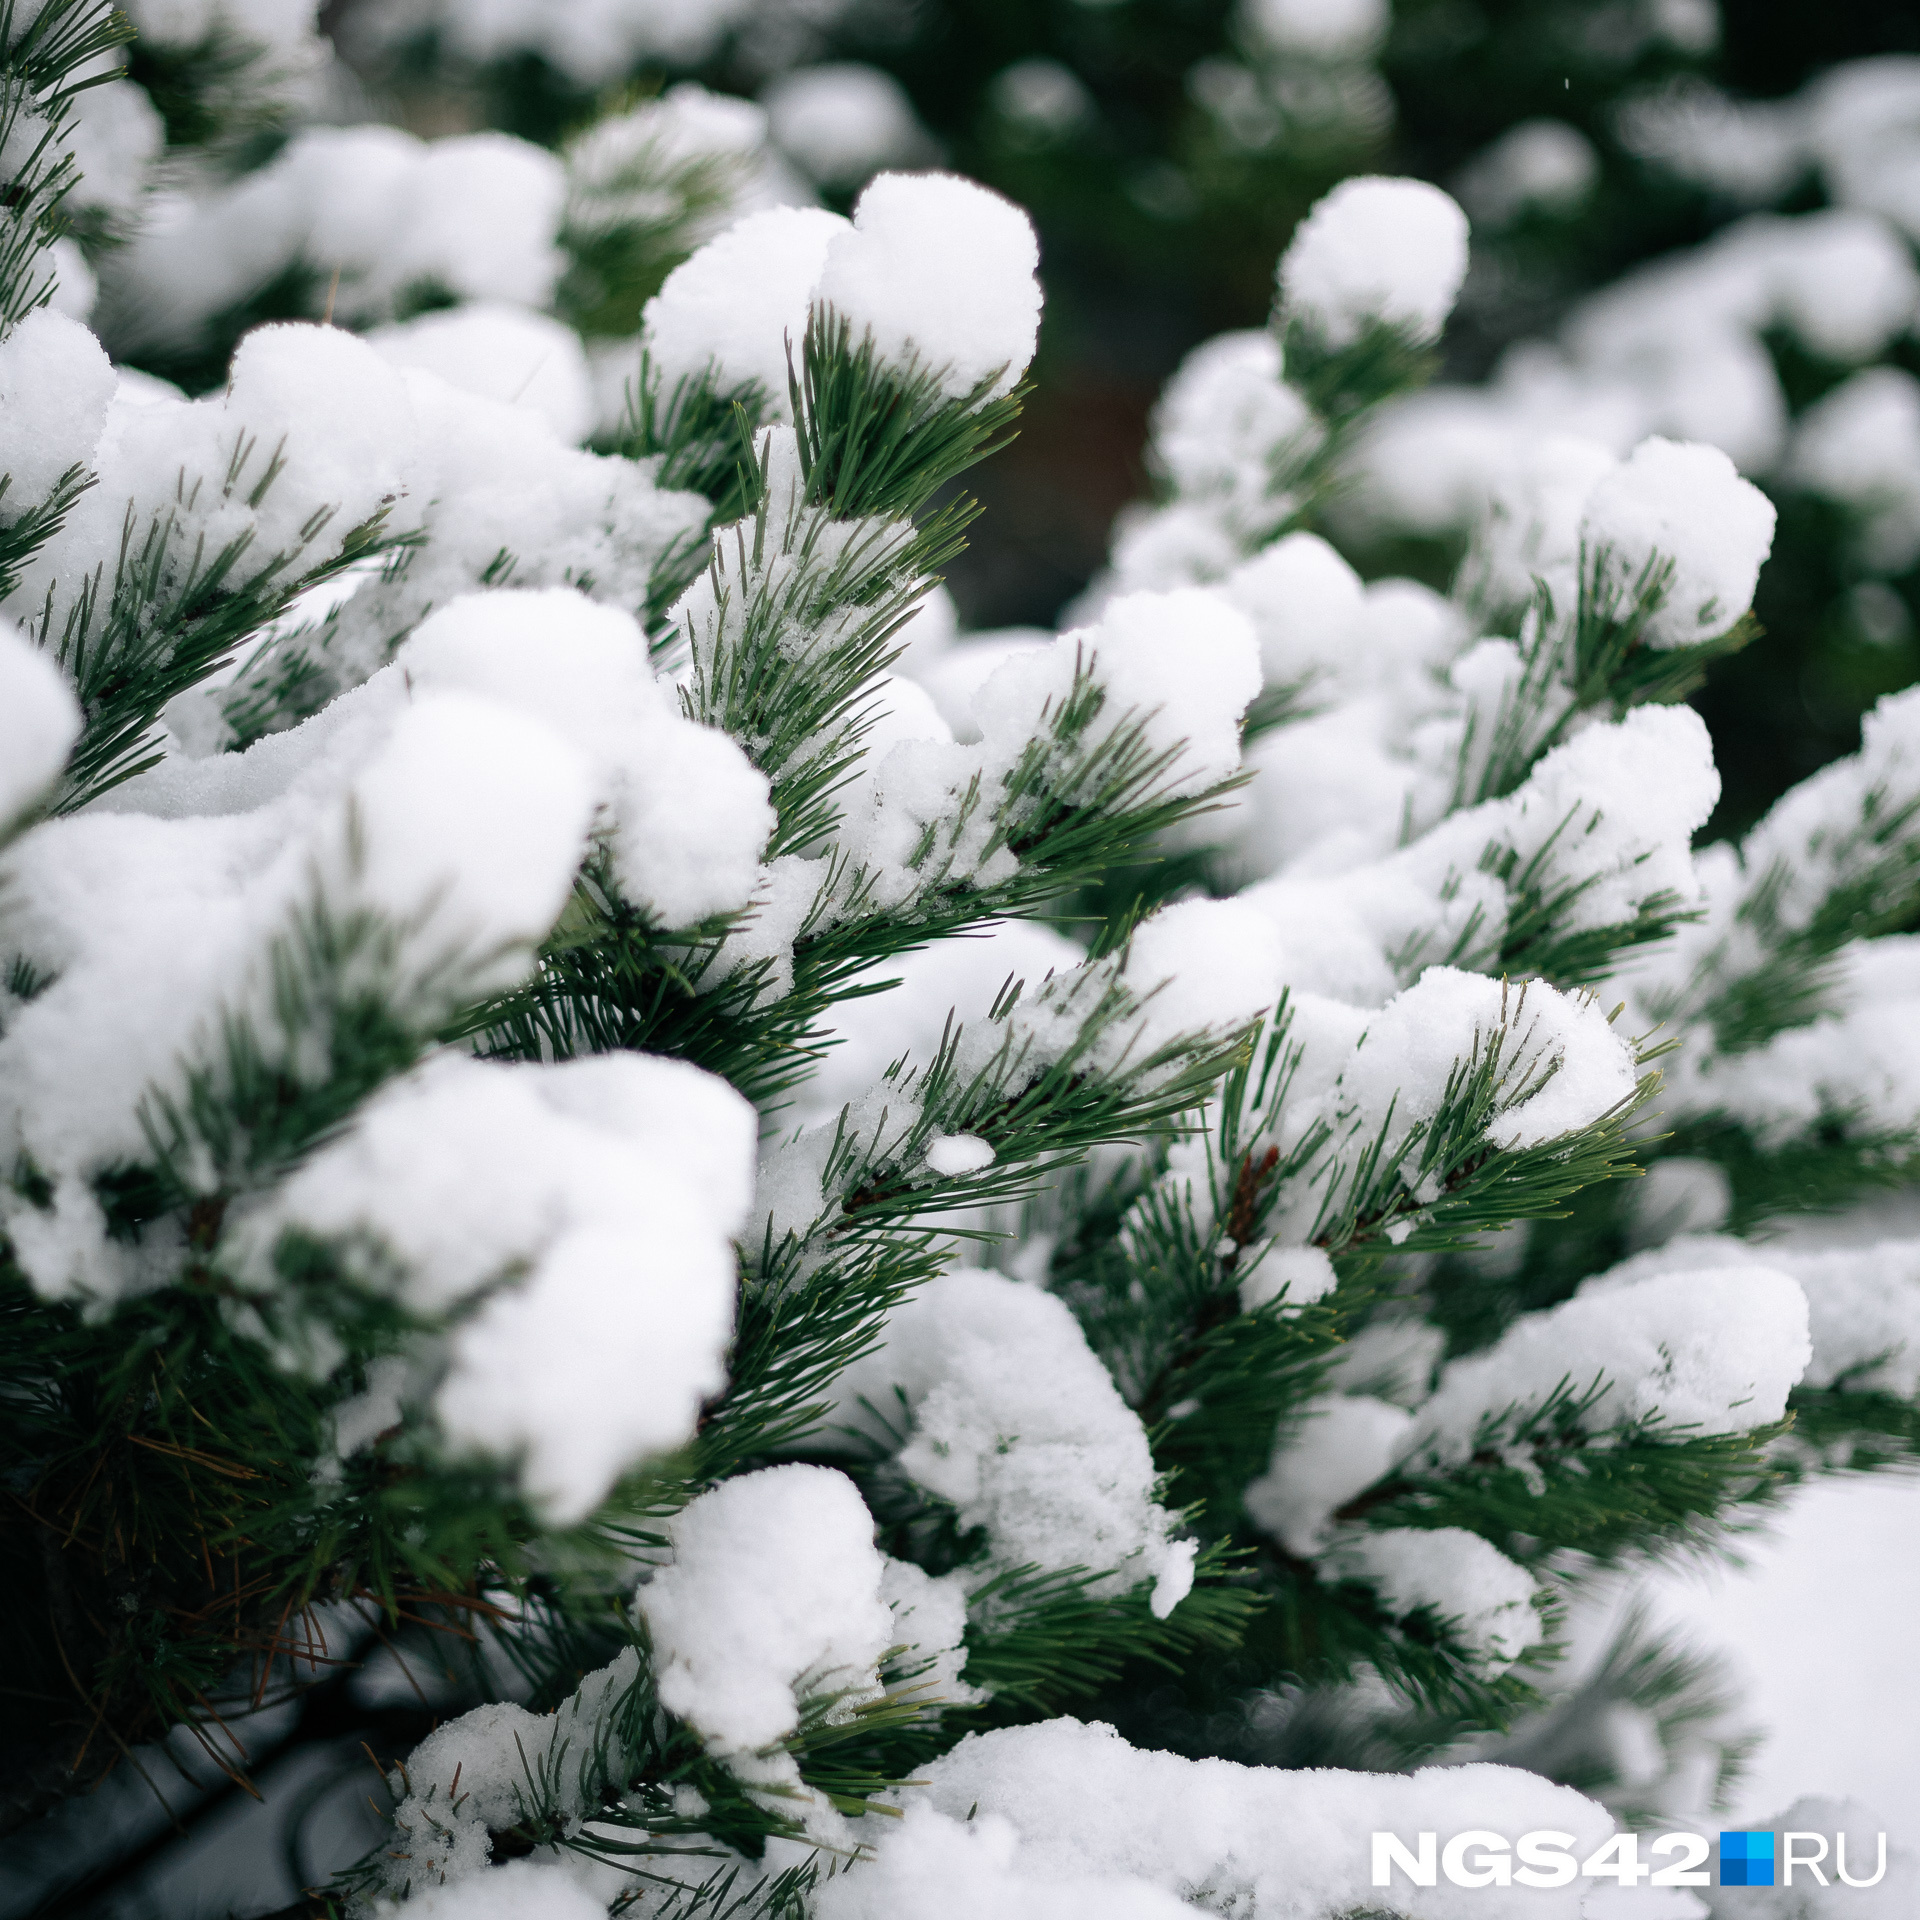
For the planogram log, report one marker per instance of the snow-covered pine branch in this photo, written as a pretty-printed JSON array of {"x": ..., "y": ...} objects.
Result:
[{"x": 496, "y": 1115}]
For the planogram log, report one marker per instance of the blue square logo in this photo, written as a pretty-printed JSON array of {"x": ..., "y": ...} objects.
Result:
[{"x": 1746, "y": 1859}]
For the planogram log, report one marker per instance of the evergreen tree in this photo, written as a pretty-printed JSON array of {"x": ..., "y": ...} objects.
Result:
[{"x": 507, "y": 1143}]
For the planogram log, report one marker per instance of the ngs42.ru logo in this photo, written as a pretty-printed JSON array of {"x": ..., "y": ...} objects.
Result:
[{"x": 1548, "y": 1859}]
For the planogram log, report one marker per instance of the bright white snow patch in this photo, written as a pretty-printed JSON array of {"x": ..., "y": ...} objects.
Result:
[
  {"x": 39, "y": 721},
  {"x": 1485, "y": 1599},
  {"x": 953, "y": 1155},
  {"x": 1686, "y": 504},
  {"x": 518, "y": 1891},
  {"x": 844, "y": 120},
  {"x": 56, "y": 384},
  {"x": 1180, "y": 667},
  {"x": 1376, "y": 249},
  {"x": 585, "y": 670},
  {"x": 737, "y": 308},
  {"x": 772, "y": 1595},
  {"x": 929, "y": 1867},
  {"x": 938, "y": 271},
  {"x": 1700, "y": 1352},
  {"x": 502, "y": 353},
  {"x": 603, "y": 1190},
  {"x": 1342, "y": 1444},
  {"x": 1006, "y": 1412},
  {"x": 1260, "y": 1840}
]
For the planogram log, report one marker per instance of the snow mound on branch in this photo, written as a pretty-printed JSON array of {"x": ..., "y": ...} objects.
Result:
[
  {"x": 1182, "y": 667},
  {"x": 1376, "y": 249},
  {"x": 612, "y": 1182},
  {"x": 1282, "y": 1845},
  {"x": 316, "y": 400},
  {"x": 1140, "y": 708},
  {"x": 1305, "y": 603},
  {"x": 491, "y": 1768},
  {"x": 1812, "y": 840},
  {"x": 39, "y": 721},
  {"x": 1005, "y": 1412},
  {"x": 472, "y": 216},
  {"x": 1566, "y": 1062},
  {"x": 1860, "y": 445},
  {"x": 1366, "y": 1087},
  {"x": 463, "y": 824},
  {"x": 56, "y": 384},
  {"x": 490, "y": 480},
  {"x": 1540, "y": 165},
  {"x": 443, "y": 833},
  {"x": 1863, "y": 1302},
  {"x": 1613, "y": 812},
  {"x": 1685, "y": 504},
  {"x": 735, "y": 312},
  {"x": 1333, "y": 1448},
  {"x": 930, "y": 1626},
  {"x": 1601, "y": 829},
  {"x": 1703, "y": 1352},
  {"x": 772, "y": 1595},
  {"x": 938, "y": 271},
  {"x": 843, "y": 120},
  {"x": 1218, "y": 425},
  {"x": 502, "y": 353},
  {"x": 1860, "y": 1058},
  {"x": 1485, "y": 1600},
  {"x": 518, "y": 1891},
  {"x": 955, "y": 980},
  {"x": 1297, "y": 1275},
  {"x": 1202, "y": 966},
  {"x": 1532, "y": 526},
  {"x": 1386, "y": 1074},
  {"x": 115, "y": 133},
  {"x": 929, "y": 1867},
  {"x": 434, "y": 838},
  {"x": 585, "y": 670},
  {"x": 281, "y": 26}
]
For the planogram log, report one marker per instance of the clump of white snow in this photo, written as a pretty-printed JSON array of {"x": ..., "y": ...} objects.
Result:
[
  {"x": 1182, "y": 667},
  {"x": 735, "y": 312},
  {"x": 938, "y": 272},
  {"x": 932, "y": 1867},
  {"x": 601, "y": 1191},
  {"x": 56, "y": 384},
  {"x": 501, "y": 353},
  {"x": 1338, "y": 1446},
  {"x": 39, "y": 721},
  {"x": 1319, "y": 29},
  {"x": 1860, "y": 445},
  {"x": 772, "y": 1596},
  {"x": 1701, "y": 1352},
  {"x": 1260, "y": 1840},
  {"x": 585, "y": 669},
  {"x": 1486, "y": 1601},
  {"x": 1540, "y": 166},
  {"x": 1007, "y": 1413},
  {"x": 1376, "y": 249},
  {"x": 473, "y": 216},
  {"x": 1685, "y": 504}
]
